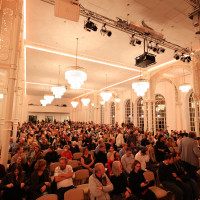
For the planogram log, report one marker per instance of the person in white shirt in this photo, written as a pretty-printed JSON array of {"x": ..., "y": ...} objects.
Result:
[
  {"x": 63, "y": 177},
  {"x": 143, "y": 157}
]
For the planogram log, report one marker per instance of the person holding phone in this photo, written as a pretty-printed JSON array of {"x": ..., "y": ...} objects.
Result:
[{"x": 138, "y": 184}]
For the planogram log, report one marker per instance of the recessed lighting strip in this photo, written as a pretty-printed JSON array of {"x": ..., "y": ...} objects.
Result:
[{"x": 58, "y": 52}]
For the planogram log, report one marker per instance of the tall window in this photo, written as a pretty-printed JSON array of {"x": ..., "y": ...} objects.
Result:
[
  {"x": 192, "y": 112},
  {"x": 112, "y": 113},
  {"x": 160, "y": 112},
  {"x": 102, "y": 114},
  {"x": 128, "y": 111},
  {"x": 140, "y": 113}
]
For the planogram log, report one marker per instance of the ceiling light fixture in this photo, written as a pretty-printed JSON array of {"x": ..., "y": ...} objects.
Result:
[
  {"x": 117, "y": 100},
  {"x": 85, "y": 101},
  {"x": 43, "y": 102},
  {"x": 74, "y": 104},
  {"x": 134, "y": 41},
  {"x": 90, "y": 25},
  {"x": 106, "y": 95},
  {"x": 48, "y": 98},
  {"x": 185, "y": 87},
  {"x": 92, "y": 104},
  {"x": 104, "y": 31},
  {"x": 102, "y": 102},
  {"x": 1, "y": 95},
  {"x": 140, "y": 87},
  {"x": 76, "y": 76}
]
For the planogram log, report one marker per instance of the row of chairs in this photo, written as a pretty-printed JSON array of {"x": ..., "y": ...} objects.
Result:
[{"x": 76, "y": 194}]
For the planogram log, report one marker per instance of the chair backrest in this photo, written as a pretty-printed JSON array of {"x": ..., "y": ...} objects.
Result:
[
  {"x": 77, "y": 156},
  {"x": 53, "y": 167},
  {"x": 59, "y": 151},
  {"x": 74, "y": 163},
  {"x": 81, "y": 149},
  {"x": 148, "y": 175},
  {"x": 77, "y": 194},
  {"x": 81, "y": 176},
  {"x": 48, "y": 197}
]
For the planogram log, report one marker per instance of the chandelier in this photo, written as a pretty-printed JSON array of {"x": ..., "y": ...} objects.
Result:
[
  {"x": 105, "y": 95},
  {"x": 76, "y": 76},
  {"x": 74, "y": 104},
  {"x": 140, "y": 87},
  {"x": 185, "y": 87},
  {"x": 102, "y": 102},
  {"x": 58, "y": 91},
  {"x": 117, "y": 100},
  {"x": 48, "y": 98},
  {"x": 92, "y": 104},
  {"x": 1, "y": 95},
  {"x": 85, "y": 101},
  {"x": 43, "y": 102}
]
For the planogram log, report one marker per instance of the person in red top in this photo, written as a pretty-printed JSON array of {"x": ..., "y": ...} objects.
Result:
[
  {"x": 67, "y": 153},
  {"x": 111, "y": 160}
]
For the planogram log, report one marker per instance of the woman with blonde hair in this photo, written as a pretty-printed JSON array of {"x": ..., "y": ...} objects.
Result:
[{"x": 120, "y": 184}]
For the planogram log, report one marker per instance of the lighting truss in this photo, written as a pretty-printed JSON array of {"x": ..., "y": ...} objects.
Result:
[{"x": 122, "y": 25}]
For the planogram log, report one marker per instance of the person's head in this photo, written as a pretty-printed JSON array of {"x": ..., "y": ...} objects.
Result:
[
  {"x": 176, "y": 156},
  {"x": 19, "y": 160},
  {"x": 161, "y": 138},
  {"x": 102, "y": 148},
  {"x": 128, "y": 152},
  {"x": 11, "y": 139},
  {"x": 144, "y": 151},
  {"x": 20, "y": 150},
  {"x": 99, "y": 169},
  {"x": 22, "y": 140},
  {"x": 66, "y": 147},
  {"x": 136, "y": 166},
  {"x": 85, "y": 151},
  {"x": 116, "y": 168},
  {"x": 16, "y": 169},
  {"x": 40, "y": 165},
  {"x": 37, "y": 148},
  {"x": 63, "y": 162},
  {"x": 124, "y": 146},
  {"x": 100, "y": 142},
  {"x": 50, "y": 148},
  {"x": 111, "y": 149},
  {"x": 73, "y": 143},
  {"x": 192, "y": 134},
  {"x": 168, "y": 158},
  {"x": 132, "y": 145},
  {"x": 116, "y": 156}
]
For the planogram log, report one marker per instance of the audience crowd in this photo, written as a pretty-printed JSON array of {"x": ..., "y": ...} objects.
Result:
[{"x": 117, "y": 158}]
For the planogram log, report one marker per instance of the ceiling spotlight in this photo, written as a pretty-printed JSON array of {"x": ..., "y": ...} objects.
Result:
[
  {"x": 176, "y": 55},
  {"x": 104, "y": 31},
  {"x": 188, "y": 58},
  {"x": 90, "y": 25},
  {"x": 155, "y": 49},
  {"x": 162, "y": 50},
  {"x": 134, "y": 41}
]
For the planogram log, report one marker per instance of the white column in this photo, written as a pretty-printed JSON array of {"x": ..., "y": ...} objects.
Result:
[
  {"x": 196, "y": 118},
  {"x": 145, "y": 114}
]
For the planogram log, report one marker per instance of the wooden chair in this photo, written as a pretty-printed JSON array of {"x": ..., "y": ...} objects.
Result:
[
  {"x": 53, "y": 167},
  {"x": 77, "y": 156},
  {"x": 81, "y": 149},
  {"x": 48, "y": 197},
  {"x": 159, "y": 192},
  {"x": 59, "y": 151},
  {"x": 81, "y": 177},
  {"x": 75, "y": 164},
  {"x": 76, "y": 194},
  {"x": 92, "y": 153}
]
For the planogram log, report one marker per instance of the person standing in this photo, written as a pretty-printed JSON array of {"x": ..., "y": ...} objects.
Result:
[{"x": 189, "y": 154}]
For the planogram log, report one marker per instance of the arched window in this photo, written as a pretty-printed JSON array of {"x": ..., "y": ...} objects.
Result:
[
  {"x": 112, "y": 113},
  {"x": 128, "y": 111},
  {"x": 102, "y": 114},
  {"x": 192, "y": 112},
  {"x": 140, "y": 113},
  {"x": 160, "y": 112}
]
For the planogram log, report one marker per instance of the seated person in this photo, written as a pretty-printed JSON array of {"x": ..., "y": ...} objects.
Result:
[
  {"x": 101, "y": 156},
  {"x": 143, "y": 157},
  {"x": 123, "y": 150},
  {"x": 74, "y": 148},
  {"x": 87, "y": 160},
  {"x": 120, "y": 184},
  {"x": 127, "y": 161},
  {"x": 40, "y": 181},
  {"x": 138, "y": 184},
  {"x": 99, "y": 184},
  {"x": 51, "y": 156},
  {"x": 14, "y": 183},
  {"x": 111, "y": 160},
  {"x": 19, "y": 153},
  {"x": 67, "y": 153},
  {"x": 110, "y": 153},
  {"x": 170, "y": 182},
  {"x": 63, "y": 177}
]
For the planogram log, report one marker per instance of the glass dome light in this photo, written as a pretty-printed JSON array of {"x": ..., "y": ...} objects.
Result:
[
  {"x": 74, "y": 104},
  {"x": 85, "y": 101},
  {"x": 185, "y": 87},
  {"x": 58, "y": 91},
  {"x": 106, "y": 95}
]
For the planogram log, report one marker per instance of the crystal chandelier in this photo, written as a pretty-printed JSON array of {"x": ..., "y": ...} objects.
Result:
[
  {"x": 117, "y": 100},
  {"x": 85, "y": 101},
  {"x": 102, "y": 102},
  {"x": 58, "y": 91},
  {"x": 140, "y": 87},
  {"x": 48, "y": 98},
  {"x": 1, "y": 95},
  {"x": 43, "y": 102},
  {"x": 76, "y": 76},
  {"x": 105, "y": 95},
  {"x": 185, "y": 87},
  {"x": 74, "y": 104}
]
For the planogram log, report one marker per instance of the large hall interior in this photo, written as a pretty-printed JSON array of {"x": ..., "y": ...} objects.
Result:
[{"x": 107, "y": 64}]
